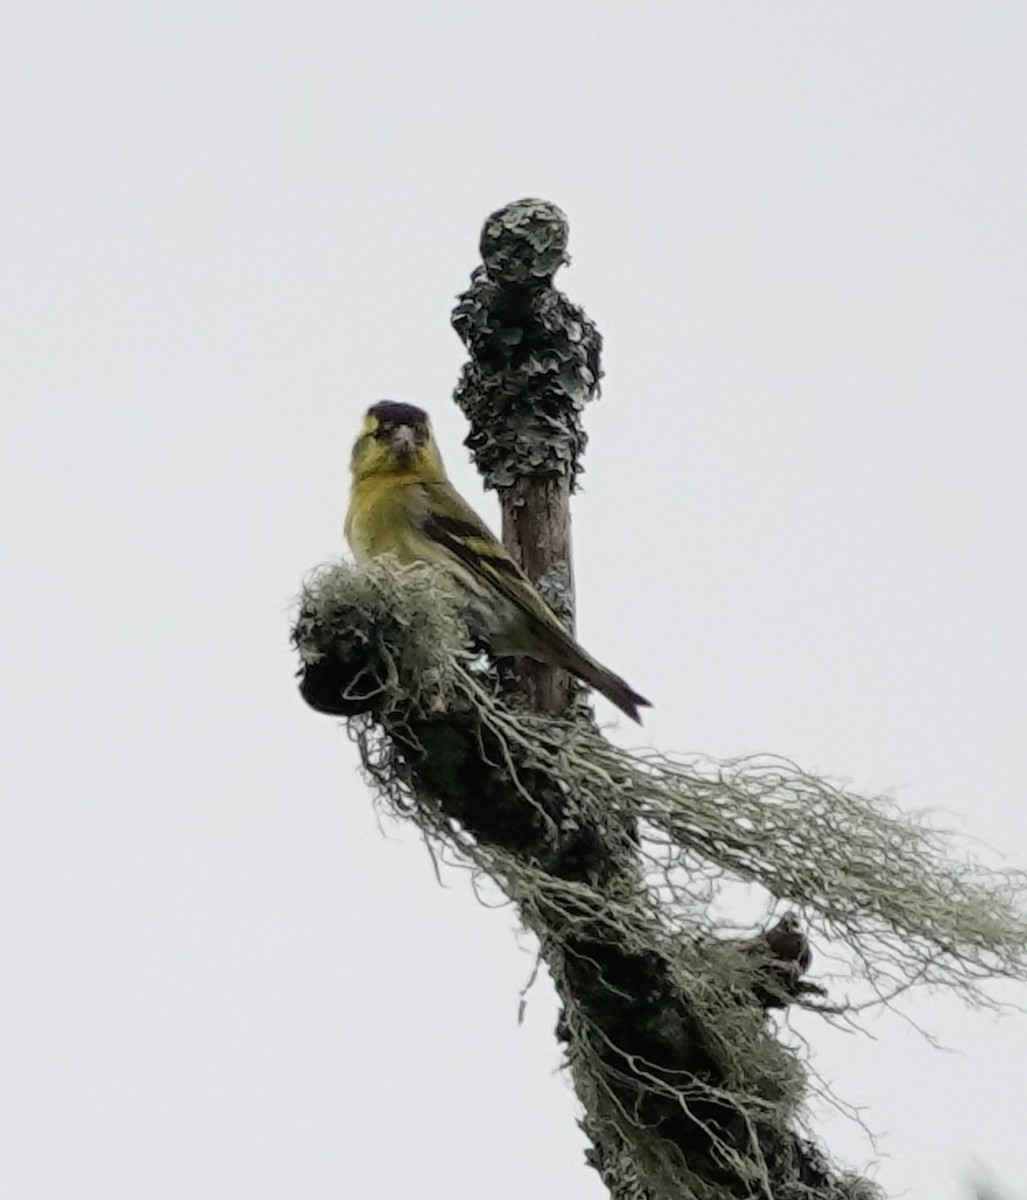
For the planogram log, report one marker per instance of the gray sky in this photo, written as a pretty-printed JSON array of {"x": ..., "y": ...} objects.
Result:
[{"x": 226, "y": 229}]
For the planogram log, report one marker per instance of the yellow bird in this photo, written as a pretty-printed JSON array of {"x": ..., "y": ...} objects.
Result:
[{"x": 402, "y": 503}]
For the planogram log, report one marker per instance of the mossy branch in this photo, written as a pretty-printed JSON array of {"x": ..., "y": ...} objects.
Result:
[{"x": 613, "y": 860}]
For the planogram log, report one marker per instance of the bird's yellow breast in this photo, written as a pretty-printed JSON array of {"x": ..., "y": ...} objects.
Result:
[
  {"x": 379, "y": 519},
  {"x": 384, "y": 517}
]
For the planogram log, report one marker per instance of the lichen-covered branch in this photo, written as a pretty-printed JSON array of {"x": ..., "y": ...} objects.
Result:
[
  {"x": 533, "y": 365},
  {"x": 613, "y": 861}
]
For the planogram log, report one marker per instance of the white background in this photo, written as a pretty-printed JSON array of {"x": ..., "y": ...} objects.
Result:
[{"x": 229, "y": 227}]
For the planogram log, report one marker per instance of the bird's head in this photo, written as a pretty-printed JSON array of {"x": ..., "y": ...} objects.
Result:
[
  {"x": 396, "y": 439},
  {"x": 790, "y": 922}
]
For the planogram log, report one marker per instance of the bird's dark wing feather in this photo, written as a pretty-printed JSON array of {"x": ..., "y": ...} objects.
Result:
[{"x": 456, "y": 527}]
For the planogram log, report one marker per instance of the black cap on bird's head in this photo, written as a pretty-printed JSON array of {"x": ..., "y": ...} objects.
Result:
[
  {"x": 404, "y": 426},
  {"x": 395, "y": 412},
  {"x": 393, "y": 432}
]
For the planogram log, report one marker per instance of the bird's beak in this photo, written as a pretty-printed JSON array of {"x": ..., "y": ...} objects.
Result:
[{"x": 403, "y": 440}]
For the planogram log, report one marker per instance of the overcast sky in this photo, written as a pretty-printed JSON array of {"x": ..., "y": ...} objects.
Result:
[{"x": 229, "y": 227}]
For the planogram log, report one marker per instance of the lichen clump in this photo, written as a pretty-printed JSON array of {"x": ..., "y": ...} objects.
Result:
[
  {"x": 384, "y": 636},
  {"x": 534, "y": 355}
]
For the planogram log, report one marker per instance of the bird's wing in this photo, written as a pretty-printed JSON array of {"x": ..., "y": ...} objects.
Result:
[{"x": 454, "y": 526}]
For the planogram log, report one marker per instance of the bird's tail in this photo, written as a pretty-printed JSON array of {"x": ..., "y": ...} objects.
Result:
[
  {"x": 615, "y": 689},
  {"x": 563, "y": 651}
]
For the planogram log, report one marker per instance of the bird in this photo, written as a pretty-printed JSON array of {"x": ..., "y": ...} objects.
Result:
[
  {"x": 788, "y": 943},
  {"x": 781, "y": 955},
  {"x": 402, "y": 502}
]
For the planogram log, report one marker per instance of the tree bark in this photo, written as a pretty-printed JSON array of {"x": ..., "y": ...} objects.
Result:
[{"x": 537, "y": 532}]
